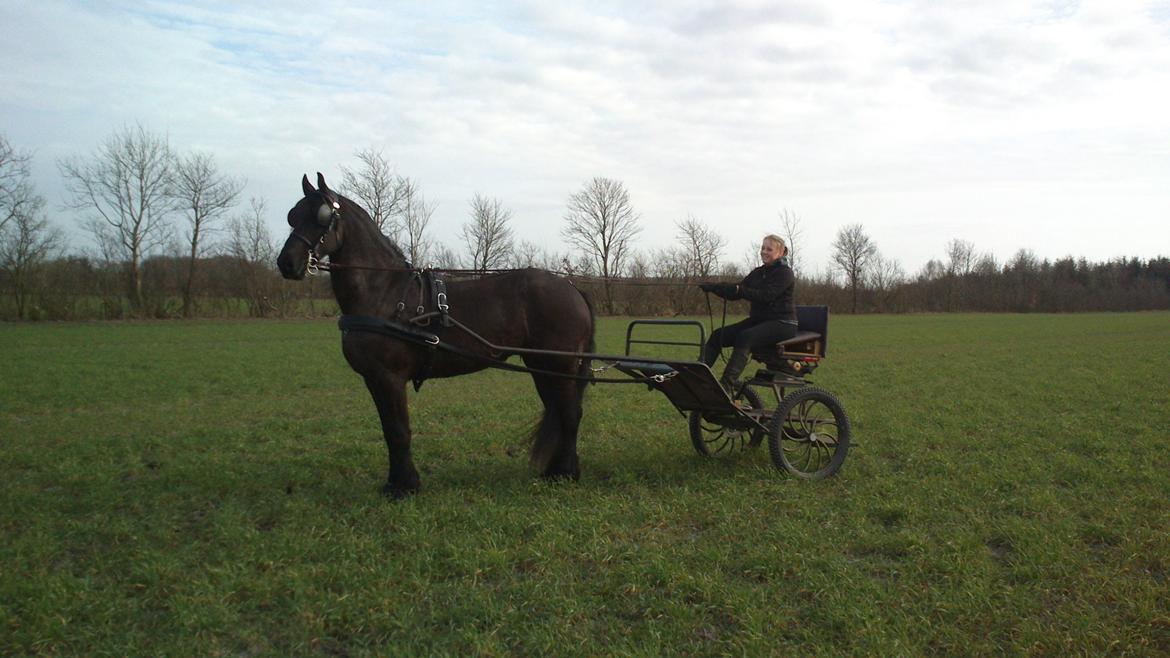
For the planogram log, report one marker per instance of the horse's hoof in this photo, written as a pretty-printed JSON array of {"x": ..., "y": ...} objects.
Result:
[
  {"x": 398, "y": 492},
  {"x": 562, "y": 476}
]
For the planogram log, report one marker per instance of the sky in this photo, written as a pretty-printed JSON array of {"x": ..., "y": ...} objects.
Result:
[{"x": 1005, "y": 123}]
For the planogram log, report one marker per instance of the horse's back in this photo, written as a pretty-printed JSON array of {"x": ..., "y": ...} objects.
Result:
[{"x": 535, "y": 306}]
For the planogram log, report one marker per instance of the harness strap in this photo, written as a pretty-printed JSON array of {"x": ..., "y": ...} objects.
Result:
[
  {"x": 387, "y": 328},
  {"x": 432, "y": 289},
  {"x": 439, "y": 288}
]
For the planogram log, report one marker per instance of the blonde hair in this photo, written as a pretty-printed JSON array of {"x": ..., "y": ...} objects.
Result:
[{"x": 772, "y": 237}]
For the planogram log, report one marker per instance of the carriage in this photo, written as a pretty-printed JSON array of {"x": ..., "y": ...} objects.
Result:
[
  {"x": 808, "y": 431},
  {"x": 398, "y": 326}
]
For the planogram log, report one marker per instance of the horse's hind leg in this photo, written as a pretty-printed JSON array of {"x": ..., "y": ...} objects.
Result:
[
  {"x": 389, "y": 393},
  {"x": 554, "y": 447}
]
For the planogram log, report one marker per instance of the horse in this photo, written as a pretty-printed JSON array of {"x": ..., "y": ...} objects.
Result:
[{"x": 540, "y": 312}]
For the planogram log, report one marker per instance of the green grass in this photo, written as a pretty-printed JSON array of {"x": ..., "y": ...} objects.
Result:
[{"x": 211, "y": 488}]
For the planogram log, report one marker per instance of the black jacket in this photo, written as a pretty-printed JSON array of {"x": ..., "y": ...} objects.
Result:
[{"x": 769, "y": 288}]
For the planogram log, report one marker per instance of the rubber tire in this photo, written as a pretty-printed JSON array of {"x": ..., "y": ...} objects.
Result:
[
  {"x": 776, "y": 437},
  {"x": 702, "y": 446}
]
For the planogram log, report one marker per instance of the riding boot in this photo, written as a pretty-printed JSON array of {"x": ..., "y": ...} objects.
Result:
[
  {"x": 710, "y": 354},
  {"x": 735, "y": 366}
]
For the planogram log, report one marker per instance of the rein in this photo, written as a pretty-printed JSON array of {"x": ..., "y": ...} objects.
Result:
[
  {"x": 419, "y": 337},
  {"x": 332, "y": 266}
]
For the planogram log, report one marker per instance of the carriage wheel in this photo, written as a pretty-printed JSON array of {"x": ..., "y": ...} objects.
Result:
[
  {"x": 711, "y": 439},
  {"x": 810, "y": 434}
]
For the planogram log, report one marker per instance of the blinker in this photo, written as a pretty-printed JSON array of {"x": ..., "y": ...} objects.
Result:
[{"x": 325, "y": 214}]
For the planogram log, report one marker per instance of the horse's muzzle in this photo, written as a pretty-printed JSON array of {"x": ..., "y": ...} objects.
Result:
[{"x": 289, "y": 269}]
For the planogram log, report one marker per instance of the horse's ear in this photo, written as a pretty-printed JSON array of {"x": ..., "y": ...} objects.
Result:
[
  {"x": 306, "y": 186},
  {"x": 321, "y": 183}
]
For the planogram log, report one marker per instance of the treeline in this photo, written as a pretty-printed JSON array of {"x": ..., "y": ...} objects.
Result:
[
  {"x": 1025, "y": 284},
  {"x": 77, "y": 288},
  {"x": 81, "y": 288}
]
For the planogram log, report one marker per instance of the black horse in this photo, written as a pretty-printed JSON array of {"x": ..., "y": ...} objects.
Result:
[{"x": 528, "y": 308}]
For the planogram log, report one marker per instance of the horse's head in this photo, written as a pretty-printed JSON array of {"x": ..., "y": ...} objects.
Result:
[{"x": 315, "y": 232}]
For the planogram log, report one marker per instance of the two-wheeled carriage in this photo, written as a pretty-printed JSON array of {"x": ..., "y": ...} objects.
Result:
[{"x": 808, "y": 430}]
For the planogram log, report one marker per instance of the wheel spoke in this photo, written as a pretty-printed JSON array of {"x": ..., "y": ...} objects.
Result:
[{"x": 712, "y": 437}]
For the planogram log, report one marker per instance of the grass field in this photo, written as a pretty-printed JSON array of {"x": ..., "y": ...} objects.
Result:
[{"x": 211, "y": 488}]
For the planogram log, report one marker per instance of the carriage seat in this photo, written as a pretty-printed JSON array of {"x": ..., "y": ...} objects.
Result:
[{"x": 803, "y": 351}]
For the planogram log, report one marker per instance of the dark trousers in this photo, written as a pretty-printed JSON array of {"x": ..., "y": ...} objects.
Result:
[{"x": 746, "y": 334}]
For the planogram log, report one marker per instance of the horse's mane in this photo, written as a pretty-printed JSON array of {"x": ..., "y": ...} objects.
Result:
[{"x": 353, "y": 209}]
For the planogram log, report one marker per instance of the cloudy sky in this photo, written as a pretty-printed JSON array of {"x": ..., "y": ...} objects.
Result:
[{"x": 1007, "y": 123}]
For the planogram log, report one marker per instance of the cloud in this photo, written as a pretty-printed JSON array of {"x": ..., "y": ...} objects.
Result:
[{"x": 906, "y": 116}]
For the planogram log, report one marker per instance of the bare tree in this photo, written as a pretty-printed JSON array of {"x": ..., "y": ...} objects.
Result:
[
  {"x": 416, "y": 217},
  {"x": 445, "y": 258},
  {"x": 487, "y": 234},
  {"x": 16, "y": 190},
  {"x": 252, "y": 246},
  {"x": 886, "y": 276},
  {"x": 527, "y": 254},
  {"x": 27, "y": 241},
  {"x": 986, "y": 266},
  {"x": 249, "y": 239},
  {"x": 790, "y": 225},
  {"x": 853, "y": 251},
  {"x": 601, "y": 222},
  {"x": 530, "y": 254},
  {"x": 1022, "y": 278},
  {"x": 886, "y": 273},
  {"x": 125, "y": 185},
  {"x": 204, "y": 195},
  {"x": 749, "y": 258},
  {"x": 960, "y": 262},
  {"x": 960, "y": 257},
  {"x": 731, "y": 271},
  {"x": 701, "y": 247},
  {"x": 380, "y": 190},
  {"x": 932, "y": 270}
]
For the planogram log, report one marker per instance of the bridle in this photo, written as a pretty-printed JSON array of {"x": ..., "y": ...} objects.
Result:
[{"x": 327, "y": 215}]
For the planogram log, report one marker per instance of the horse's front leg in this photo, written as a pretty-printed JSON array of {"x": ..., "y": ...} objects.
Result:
[{"x": 389, "y": 393}]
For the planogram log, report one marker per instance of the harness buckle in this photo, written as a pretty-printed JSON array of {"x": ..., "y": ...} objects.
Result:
[
  {"x": 441, "y": 302},
  {"x": 313, "y": 267}
]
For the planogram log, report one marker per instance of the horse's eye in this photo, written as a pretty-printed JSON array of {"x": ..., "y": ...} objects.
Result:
[{"x": 324, "y": 214}]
